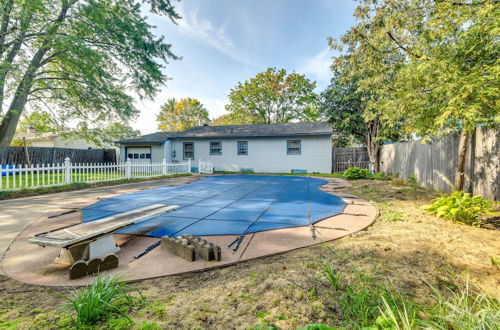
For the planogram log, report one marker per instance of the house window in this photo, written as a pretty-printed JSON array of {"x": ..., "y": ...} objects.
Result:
[
  {"x": 242, "y": 148},
  {"x": 188, "y": 150},
  {"x": 293, "y": 147},
  {"x": 216, "y": 148}
]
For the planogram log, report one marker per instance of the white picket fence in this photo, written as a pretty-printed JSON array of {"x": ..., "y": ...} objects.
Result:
[
  {"x": 205, "y": 167},
  {"x": 38, "y": 176}
]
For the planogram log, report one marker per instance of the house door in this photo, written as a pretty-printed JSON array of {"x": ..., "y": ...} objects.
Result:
[{"x": 139, "y": 154}]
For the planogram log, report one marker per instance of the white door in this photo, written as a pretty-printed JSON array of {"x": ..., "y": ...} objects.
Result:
[{"x": 139, "y": 154}]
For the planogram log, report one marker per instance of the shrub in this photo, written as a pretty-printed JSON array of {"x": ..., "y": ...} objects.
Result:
[
  {"x": 103, "y": 298},
  {"x": 379, "y": 176},
  {"x": 357, "y": 173},
  {"x": 460, "y": 206}
]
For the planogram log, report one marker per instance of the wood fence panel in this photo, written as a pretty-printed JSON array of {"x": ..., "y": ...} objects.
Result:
[
  {"x": 41, "y": 155},
  {"x": 343, "y": 158},
  {"x": 434, "y": 163}
]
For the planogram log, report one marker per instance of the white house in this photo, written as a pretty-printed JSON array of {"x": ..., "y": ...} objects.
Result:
[{"x": 278, "y": 148}]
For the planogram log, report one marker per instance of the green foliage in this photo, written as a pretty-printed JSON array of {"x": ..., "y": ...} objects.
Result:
[
  {"x": 432, "y": 64},
  {"x": 412, "y": 180},
  {"x": 228, "y": 119},
  {"x": 273, "y": 96},
  {"x": 267, "y": 321},
  {"x": 105, "y": 297},
  {"x": 41, "y": 121},
  {"x": 357, "y": 173},
  {"x": 122, "y": 323},
  {"x": 463, "y": 306},
  {"x": 79, "y": 60},
  {"x": 389, "y": 214},
  {"x": 345, "y": 108},
  {"x": 179, "y": 115},
  {"x": 148, "y": 326},
  {"x": 108, "y": 135},
  {"x": 462, "y": 207},
  {"x": 316, "y": 327},
  {"x": 379, "y": 176},
  {"x": 364, "y": 303}
]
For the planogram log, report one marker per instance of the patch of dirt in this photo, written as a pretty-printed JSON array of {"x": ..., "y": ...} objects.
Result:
[{"x": 404, "y": 247}]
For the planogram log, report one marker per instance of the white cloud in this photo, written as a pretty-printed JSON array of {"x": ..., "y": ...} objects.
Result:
[
  {"x": 318, "y": 65},
  {"x": 216, "y": 37}
]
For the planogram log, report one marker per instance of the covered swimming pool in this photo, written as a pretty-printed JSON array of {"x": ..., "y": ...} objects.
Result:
[{"x": 226, "y": 205}]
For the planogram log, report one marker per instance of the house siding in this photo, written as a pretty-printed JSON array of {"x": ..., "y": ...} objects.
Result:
[{"x": 264, "y": 154}]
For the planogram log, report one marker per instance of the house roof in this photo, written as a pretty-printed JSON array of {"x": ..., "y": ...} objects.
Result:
[{"x": 238, "y": 131}]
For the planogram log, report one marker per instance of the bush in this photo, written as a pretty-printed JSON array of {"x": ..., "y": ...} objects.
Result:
[
  {"x": 102, "y": 299},
  {"x": 460, "y": 206},
  {"x": 357, "y": 173}
]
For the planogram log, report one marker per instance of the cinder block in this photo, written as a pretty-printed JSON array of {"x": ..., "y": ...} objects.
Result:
[
  {"x": 205, "y": 249},
  {"x": 83, "y": 268},
  {"x": 180, "y": 247}
]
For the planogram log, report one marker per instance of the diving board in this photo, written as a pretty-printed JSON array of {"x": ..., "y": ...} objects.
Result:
[{"x": 91, "y": 240}]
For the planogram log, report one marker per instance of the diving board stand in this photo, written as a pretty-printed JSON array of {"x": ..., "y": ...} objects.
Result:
[{"x": 88, "y": 246}]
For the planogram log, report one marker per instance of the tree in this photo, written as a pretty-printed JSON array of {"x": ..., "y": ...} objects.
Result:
[
  {"x": 177, "y": 116},
  {"x": 432, "y": 62},
  {"x": 344, "y": 107},
  {"x": 104, "y": 136},
  {"x": 78, "y": 58},
  {"x": 273, "y": 96},
  {"x": 229, "y": 119},
  {"x": 42, "y": 122}
]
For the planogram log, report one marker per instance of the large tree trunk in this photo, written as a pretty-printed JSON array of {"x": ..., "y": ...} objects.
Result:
[
  {"x": 9, "y": 122},
  {"x": 372, "y": 145},
  {"x": 462, "y": 154}
]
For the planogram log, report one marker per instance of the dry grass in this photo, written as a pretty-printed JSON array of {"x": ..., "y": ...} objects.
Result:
[{"x": 403, "y": 248}]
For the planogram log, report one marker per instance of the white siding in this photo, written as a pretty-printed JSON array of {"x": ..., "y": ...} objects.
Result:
[{"x": 264, "y": 154}]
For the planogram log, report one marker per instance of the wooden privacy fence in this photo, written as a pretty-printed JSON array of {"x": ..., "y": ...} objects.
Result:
[
  {"x": 343, "y": 158},
  {"x": 42, "y": 155},
  {"x": 434, "y": 163},
  {"x": 15, "y": 177}
]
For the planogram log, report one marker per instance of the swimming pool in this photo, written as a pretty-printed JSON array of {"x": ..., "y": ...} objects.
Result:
[{"x": 226, "y": 205}]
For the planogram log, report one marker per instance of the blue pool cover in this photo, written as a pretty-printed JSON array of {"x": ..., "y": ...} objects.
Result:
[{"x": 225, "y": 205}]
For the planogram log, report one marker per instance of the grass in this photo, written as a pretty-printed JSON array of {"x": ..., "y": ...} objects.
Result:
[
  {"x": 11, "y": 194},
  {"x": 366, "y": 304},
  {"x": 394, "y": 274}
]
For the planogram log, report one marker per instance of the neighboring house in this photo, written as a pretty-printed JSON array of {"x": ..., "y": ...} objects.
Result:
[
  {"x": 278, "y": 148},
  {"x": 57, "y": 140}
]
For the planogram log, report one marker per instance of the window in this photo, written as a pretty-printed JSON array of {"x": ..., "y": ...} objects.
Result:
[
  {"x": 293, "y": 147},
  {"x": 188, "y": 150},
  {"x": 242, "y": 148},
  {"x": 216, "y": 148}
]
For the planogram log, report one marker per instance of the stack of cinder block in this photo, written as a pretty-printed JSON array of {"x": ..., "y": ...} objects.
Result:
[
  {"x": 188, "y": 246},
  {"x": 207, "y": 250},
  {"x": 179, "y": 246}
]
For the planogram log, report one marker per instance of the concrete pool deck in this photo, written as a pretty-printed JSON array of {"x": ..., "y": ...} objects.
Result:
[{"x": 34, "y": 264}]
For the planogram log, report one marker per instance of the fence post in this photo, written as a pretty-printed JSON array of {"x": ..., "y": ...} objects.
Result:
[
  {"x": 128, "y": 169},
  {"x": 164, "y": 166},
  {"x": 189, "y": 165},
  {"x": 67, "y": 170},
  {"x": 199, "y": 166}
]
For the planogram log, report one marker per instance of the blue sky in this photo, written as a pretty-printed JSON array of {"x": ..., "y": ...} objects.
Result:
[{"x": 223, "y": 42}]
